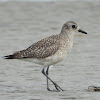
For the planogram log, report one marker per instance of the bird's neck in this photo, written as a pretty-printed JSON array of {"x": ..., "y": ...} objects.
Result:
[{"x": 68, "y": 35}]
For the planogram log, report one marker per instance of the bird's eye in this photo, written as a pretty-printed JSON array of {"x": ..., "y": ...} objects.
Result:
[{"x": 73, "y": 26}]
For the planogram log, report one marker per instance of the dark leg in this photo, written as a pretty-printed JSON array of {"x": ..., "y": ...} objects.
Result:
[
  {"x": 47, "y": 73},
  {"x": 58, "y": 88}
]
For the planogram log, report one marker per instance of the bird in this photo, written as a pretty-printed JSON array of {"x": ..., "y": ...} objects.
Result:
[{"x": 50, "y": 50}]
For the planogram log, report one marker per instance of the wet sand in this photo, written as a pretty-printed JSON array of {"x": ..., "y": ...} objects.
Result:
[{"x": 23, "y": 23}]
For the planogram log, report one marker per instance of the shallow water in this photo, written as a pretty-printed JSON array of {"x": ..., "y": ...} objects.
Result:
[{"x": 23, "y": 23}]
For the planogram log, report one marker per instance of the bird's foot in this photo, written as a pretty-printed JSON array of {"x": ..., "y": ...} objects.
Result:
[
  {"x": 55, "y": 90},
  {"x": 58, "y": 88},
  {"x": 48, "y": 89}
]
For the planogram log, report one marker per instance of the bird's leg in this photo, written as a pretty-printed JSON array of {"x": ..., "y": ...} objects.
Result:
[
  {"x": 58, "y": 88},
  {"x": 47, "y": 73}
]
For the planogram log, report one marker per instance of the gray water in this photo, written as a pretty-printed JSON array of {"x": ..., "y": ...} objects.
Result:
[{"x": 23, "y": 23}]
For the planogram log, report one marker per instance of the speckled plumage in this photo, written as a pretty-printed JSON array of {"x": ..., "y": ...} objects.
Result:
[
  {"x": 47, "y": 47},
  {"x": 42, "y": 49},
  {"x": 50, "y": 50}
]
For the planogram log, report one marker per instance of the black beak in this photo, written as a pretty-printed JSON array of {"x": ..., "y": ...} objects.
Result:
[{"x": 82, "y": 31}]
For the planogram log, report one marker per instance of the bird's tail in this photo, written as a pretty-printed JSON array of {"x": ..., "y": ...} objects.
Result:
[
  {"x": 16, "y": 55},
  {"x": 9, "y": 57}
]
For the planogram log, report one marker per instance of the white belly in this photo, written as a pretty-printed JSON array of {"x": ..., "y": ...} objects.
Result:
[
  {"x": 58, "y": 57},
  {"x": 51, "y": 60}
]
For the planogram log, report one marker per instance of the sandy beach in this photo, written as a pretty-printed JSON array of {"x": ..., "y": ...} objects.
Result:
[{"x": 24, "y": 23}]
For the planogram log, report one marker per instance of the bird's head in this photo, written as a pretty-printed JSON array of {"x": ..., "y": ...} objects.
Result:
[{"x": 71, "y": 26}]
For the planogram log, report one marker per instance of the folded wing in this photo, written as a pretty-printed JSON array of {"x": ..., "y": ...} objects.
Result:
[{"x": 42, "y": 49}]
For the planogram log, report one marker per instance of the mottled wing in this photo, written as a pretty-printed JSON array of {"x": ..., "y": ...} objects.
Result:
[{"x": 41, "y": 49}]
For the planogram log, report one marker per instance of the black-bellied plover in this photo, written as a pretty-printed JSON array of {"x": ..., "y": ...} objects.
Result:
[{"x": 50, "y": 50}]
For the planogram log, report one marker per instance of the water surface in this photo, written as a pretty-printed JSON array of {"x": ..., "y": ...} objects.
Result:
[{"x": 23, "y": 23}]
